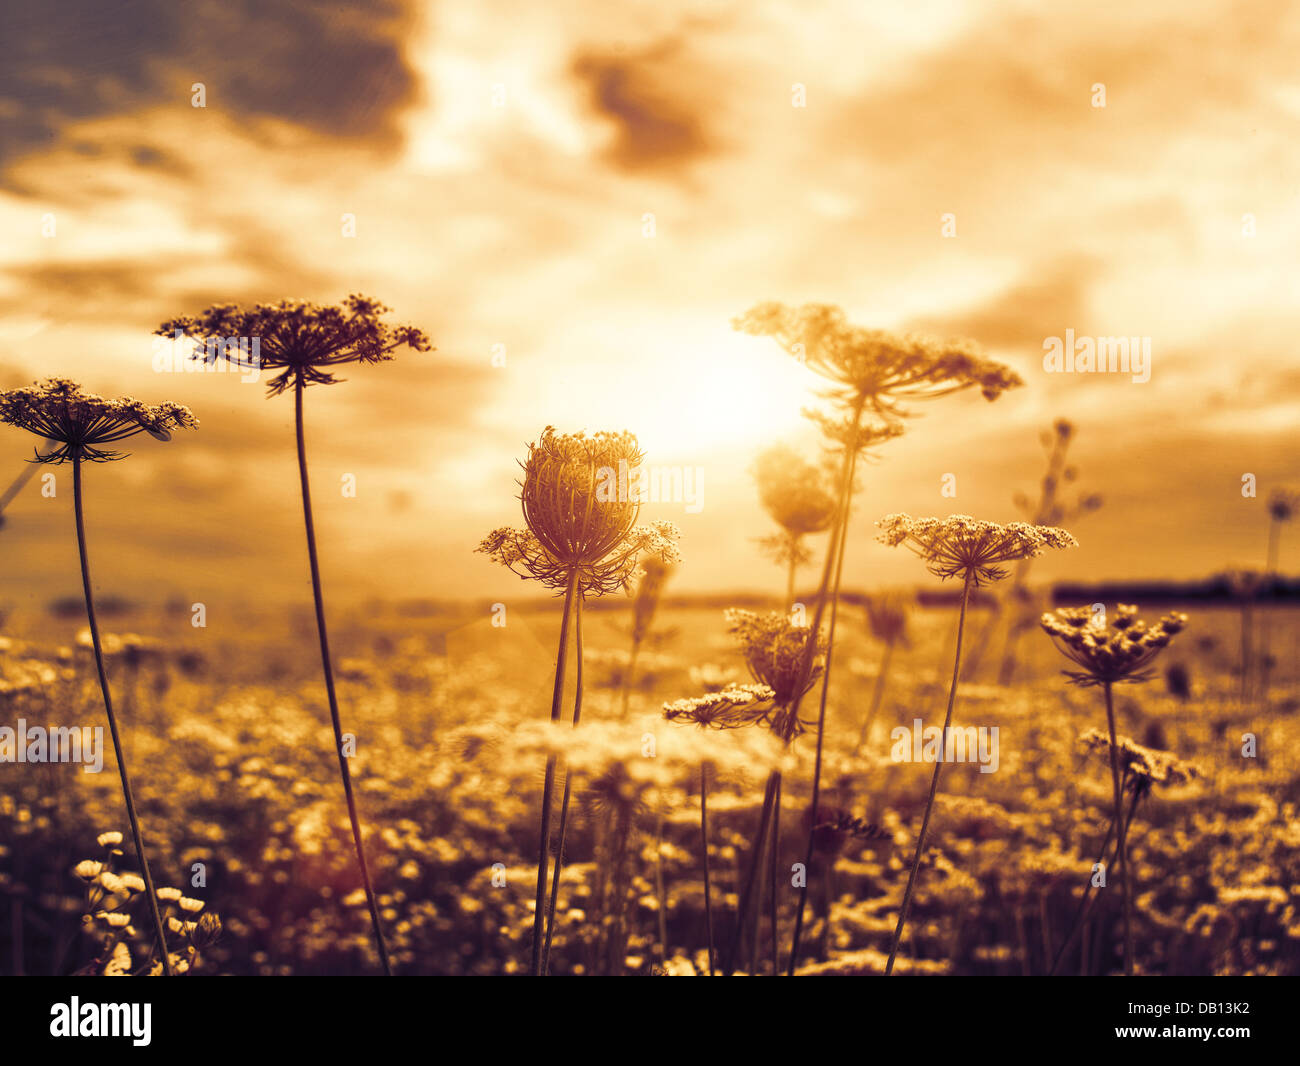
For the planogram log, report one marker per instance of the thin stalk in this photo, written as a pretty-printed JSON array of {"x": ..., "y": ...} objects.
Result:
[
  {"x": 564, "y": 803},
  {"x": 661, "y": 898},
  {"x": 328, "y": 668},
  {"x": 704, "y": 849},
  {"x": 776, "y": 849},
  {"x": 627, "y": 676},
  {"x": 742, "y": 913},
  {"x": 789, "y": 580},
  {"x": 876, "y": 696},
  {"x": 1122, "y": 860},
  {"x": 846, "y": 499},
  {"x": 1265, "y": 667},
  {"x": 136, "y": 835},
  {"x": 544, "y": 845},
  {"x": 934, "y": 782}
]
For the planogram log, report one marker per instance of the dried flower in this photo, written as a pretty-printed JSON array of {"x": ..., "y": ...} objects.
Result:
[
  {"x": 302, "y": 338},
  {"x": 1145, "y": 767},
  {"x": 960, "y": 545},
  {"x": 871, "y": 367},
  {"x": 774, "y": 648},
  {"x": 732, "y": 708},
  {"x": 81, "y": 423},
  {"x": 580, "y": 516},
  {"x": 1117, "y": 653}
]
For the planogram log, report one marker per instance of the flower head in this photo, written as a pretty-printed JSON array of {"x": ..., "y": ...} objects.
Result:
[
  {"x": 302, "y": 339},
  {"x": 81, "y": 424},
  {"x": 580, "y": 517},
  {"x": 794, "y": 491},
  {"x": 1110, "y": 654},
  {"x": 875, "y": 368},
  {"x": 774, "y": 649},
  {"x": 958, "y": 546},
  {"x": 732, "y": 708},
  {"x": 1144, "y": 767},
  {"x": 887, "y": 616},
  {"x": 1282, "y": 505}
]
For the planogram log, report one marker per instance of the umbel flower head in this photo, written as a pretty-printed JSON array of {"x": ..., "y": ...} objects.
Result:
[
  {"x": 793, "y": 491},
  {"x": 732, "y": 708},
  {"x": 887, "y": 615},
  {"x": 1110, "y": 654},
  {"x": 871, "y": 367},
  {"x": 774, "y": 648},
  {"x": 81, "y": 424},
  {"x": 580, "y": 515},
  {"x": 1144, "y": 767},
  {"x": 304, "y": 340},
  {"x": 960, "y": 545}
]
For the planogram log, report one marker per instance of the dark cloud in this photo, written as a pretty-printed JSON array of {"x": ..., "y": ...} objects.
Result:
[
  {"x": 337, "y": 69},
  {"x": 646, "y": 95}
]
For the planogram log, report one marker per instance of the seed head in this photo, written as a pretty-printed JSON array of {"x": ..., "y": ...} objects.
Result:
[
  {"x": 1117, "y": 653},
  {"x": 774, "y": 649},
  {"x": 960, "y": 545},
  {"x": 875, "y": 368},
  {"x": 302, "y": 339},
  {"x": 81, "y": 423}
]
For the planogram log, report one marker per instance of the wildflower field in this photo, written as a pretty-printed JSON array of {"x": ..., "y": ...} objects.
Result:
[{"x": 234, "y": 772}]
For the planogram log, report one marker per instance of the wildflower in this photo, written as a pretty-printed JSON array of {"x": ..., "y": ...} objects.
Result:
[
  {"x": 876, "y": 366},
  {"x": 578, "y": 527},
  {"x": 887, "y": 616},
  {"x": 1144, "y": 767},
  {"x": 206, "y": 931},
  {"x": 170, "y": 894},
  {"x": 81, "y": 424},
  {"x": 1110, "y": 654},
  {"x": 302, "y": 339},
  {"x": 88, "y": 870},
  {"x": 732, "y": 708},
  {"x": 1282, "y": 505},
  {"x": 959, "y": 545},
  {"x": 774, "y": 648}
]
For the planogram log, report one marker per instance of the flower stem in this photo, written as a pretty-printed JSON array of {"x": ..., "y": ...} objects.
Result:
[
  {"x": 934, "y": 783},
  {"x": 836, "y": 550},
  {"x": 328, "y": 669},
  {"x": 876, "y": 696},
  {"x": 742, "y": 914},
  {"x": 704, "y": 849},
  {"x": 564, "y": 803},
  {"x": 776, "y": 848},
  {"x": 1122, "y": 850},
  {"x": 544, "y": 846},
  {"x": 136, "y": 835}
]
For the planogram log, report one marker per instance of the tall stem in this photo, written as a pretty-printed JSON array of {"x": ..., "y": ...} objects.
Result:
[
  {"x": 837, "y": 550},
  {"x": 136, "y": 835},
  {"x": 1265, "y": 666},
  {"x": 776, "y": 849},
  {"x": 326, "y": 665},
  {"x": 789, "y": 580},
  {"x": 544, "y": 846},
  {"x": 704, "y": 850},
  {"x": 934, "y": 783},
  {"x": 1122, "y": 849},
  {"x": 742, "y": 914},
  {"x": 564, "y": 803}
]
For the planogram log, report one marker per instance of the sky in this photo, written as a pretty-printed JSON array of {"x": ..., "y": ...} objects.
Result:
[{"x": 574, "y": 200}]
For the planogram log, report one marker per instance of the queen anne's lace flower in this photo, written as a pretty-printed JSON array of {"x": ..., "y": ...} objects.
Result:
[
  {"x": 1145, "y": 767},
  {"x": 1110, "y": 654},
  {"x": 875, "y": 368},
  {"x": 81, "y": 424},
  {"x": 960, "y": 545},
  {"x": 732, "y": 708},
  {"x": 301, "y": 338},
  {"x": 580, "y": 517}
]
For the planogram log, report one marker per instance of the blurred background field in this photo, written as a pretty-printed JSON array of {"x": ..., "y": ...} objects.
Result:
[{"x": 228, "y": 737}]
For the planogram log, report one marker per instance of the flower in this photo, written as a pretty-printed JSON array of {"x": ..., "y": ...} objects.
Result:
[
  {"x": 774, "y": 649},
  {"x": 793, "y": 491},
  {"x": 875, "y": 368},
  {"x": 1282, "y": 505},
  {"x": 887, "y": 616},
  {"x": 1146, "y": 767},
  {"x": 302, "y": 338},
  {"x": 80, "y": 423},
  {"x": 960, "y": 546},
  {"x": 579, "y": 516},
  {"x": 1110, "y": 654},
  {"x": 732, "y": 708}
]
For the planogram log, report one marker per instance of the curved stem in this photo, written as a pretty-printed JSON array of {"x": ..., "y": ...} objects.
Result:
[
  {"x": 136, "y": 835},
  {"x": 934, "y": 783},
  {"x": 328, "y": 669},
  {"x": 544, "y": 845},
  {"x": 1121, "y": 851},
  {"x": 564, "y": 803},
  {"x": 704, "y": 848}
]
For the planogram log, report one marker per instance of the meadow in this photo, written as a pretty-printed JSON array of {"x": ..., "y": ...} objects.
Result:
[{"x": 234, "y": 771}]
